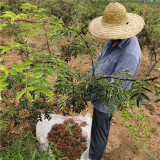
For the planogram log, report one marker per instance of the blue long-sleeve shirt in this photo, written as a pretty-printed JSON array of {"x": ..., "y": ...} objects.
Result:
[{"x": 125, "y": 55}]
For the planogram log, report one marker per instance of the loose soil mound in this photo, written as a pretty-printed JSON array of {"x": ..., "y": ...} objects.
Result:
[{"x": 68, "y": 138}]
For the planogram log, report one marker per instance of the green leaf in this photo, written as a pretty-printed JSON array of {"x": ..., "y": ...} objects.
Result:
[
  {"x": 157, "y": 69},
  {"x": 12, "y": 110},
  {"x": 3, "y": 85},
  {"x": 4, "y": 49},
  {"x": 133, "y": 96},
  {"x": 33, "y": 81},
  {"x": 138, "y": 100},
  {"x": 29, "y": 97},
  {"x": 30, "y": 49},
  {"x": 30, "y": 89},
  {"x": 146, "y": 89},
  {"x": 157, "y": 86},
  {"x": 20, "y": 94},
  {"x": 18, "y": 67},
  {"x": 21, "y": 16},
  {"x": 121, "y": 73},
  {"x": 37, "y": 95},
  {"x": 145, "y": 96},
  {"x": 158, "y": 100},
  {"x": 27, "y": 63},
  {"x": 13, "y": 71},
  {"x": 45, "y": 82},
  {"x": 36, "y": 67},
  {"x": 30, "y": 74},
  {"x": 36, "y": 74},
  {"x": 48, "y": 73},
  {"x": 4, "y": 69},
  {"x": 129, "y": 74},
  {"x": 45, "y": 91},
  {"x": 47, "y": 68},
  {"x": 3, "y": 26},
  {"x": 20, "y": 157},
  {"x": 35, "y": 53},
  {"x": 29, "y": 7},
  {"x": 8, "y": 14},
  {"x": 34, "y": 155},
  {"x": 16, "y": 45}
]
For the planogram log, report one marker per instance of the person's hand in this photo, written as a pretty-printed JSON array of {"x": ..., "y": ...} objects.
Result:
[{"x": 87, "y": 98}]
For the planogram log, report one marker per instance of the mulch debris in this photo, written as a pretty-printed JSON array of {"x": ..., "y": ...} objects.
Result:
[{"x": 68, "y": 138}]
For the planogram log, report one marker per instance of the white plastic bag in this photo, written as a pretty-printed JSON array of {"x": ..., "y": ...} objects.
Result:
[{"x": 44, "y": 127}]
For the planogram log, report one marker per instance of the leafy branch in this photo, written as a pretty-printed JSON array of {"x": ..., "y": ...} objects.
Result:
[{"x": 69, "y": 28}]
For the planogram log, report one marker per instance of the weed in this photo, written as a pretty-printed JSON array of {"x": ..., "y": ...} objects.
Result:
[
  {"x": 154, "y": 130},
  {"x": 135, "y": 149},
  {"x": 27, "y": 147}
]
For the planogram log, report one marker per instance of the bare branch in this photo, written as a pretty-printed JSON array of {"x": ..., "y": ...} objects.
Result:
[{"x": 127, "y": 79}]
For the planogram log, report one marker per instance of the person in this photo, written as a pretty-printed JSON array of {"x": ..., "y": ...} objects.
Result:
[{"x": 121, "y": 52}]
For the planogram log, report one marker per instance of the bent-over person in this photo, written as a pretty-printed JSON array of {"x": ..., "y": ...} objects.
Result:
[{"x": 121, "y": 52}]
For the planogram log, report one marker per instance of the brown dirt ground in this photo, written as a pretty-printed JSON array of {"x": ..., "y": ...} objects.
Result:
[{"x": 125, "y": 148}]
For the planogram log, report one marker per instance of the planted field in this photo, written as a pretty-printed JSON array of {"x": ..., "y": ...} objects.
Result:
[{"x": 46, "y": 54}]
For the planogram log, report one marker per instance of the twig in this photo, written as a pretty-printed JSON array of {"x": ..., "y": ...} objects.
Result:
[{"x": 46, "y": 36}]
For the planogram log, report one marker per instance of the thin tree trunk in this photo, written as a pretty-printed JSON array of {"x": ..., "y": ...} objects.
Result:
[{"x": 152, "y": 66}]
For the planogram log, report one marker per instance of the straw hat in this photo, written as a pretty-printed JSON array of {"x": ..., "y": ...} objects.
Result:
[{"x": 116, "y": 23}]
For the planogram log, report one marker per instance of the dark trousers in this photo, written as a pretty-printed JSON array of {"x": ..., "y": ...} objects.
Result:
[{"x": 99, "y": 134}]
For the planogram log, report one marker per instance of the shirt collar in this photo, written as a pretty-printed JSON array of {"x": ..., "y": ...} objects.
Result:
[{"x": 120, "y": 44}]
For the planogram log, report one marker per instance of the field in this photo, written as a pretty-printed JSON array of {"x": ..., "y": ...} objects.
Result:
[{"x": 44, "y": 64}]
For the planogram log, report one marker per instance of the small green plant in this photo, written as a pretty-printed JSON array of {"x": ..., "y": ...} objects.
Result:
[
  {"x": 6, "y": 116},
  {"x": 135, "y": 121},
  {"x": 154, "y": 130},
  {"x": 135, "y": 149},
  {"x": 27, "y": 147}
]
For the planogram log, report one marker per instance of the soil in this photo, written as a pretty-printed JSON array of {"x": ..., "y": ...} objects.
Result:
[
  {"x": 68, "y": 138},
  {"x": 120, "y": 145}
]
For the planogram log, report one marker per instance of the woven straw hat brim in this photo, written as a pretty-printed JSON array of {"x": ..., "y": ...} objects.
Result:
[{"x": 132, "y": 27}]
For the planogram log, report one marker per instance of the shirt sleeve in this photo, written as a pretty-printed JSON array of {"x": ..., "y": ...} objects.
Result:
[{"x": 99, "y": 56}]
